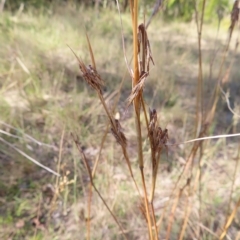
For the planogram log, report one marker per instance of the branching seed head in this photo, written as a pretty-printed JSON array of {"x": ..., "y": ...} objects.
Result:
[
  {"x": 91, "y": 76},
  {"x": 157, "y": 136}
]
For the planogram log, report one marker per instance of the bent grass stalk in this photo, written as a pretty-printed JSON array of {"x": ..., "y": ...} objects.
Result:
[{"x": 92, "y": 183}]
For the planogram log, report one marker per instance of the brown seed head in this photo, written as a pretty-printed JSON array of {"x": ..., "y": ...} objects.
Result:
[
  {"x": 118, "y": 133},
  {"x": 92, "y": 77},
  {"x": 234, "y": 14}
]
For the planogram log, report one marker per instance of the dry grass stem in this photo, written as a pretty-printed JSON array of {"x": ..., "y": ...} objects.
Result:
[
  {"x": 123, "y": 42},
  {"x": 172, "y": 214},
  {"x": 137, "y": 106},
  {"x": 229, "y": 220},
  {"x": 92, "y": 183}
]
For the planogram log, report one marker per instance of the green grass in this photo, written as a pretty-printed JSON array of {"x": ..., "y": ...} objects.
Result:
[{"x": 43, "y": 95}]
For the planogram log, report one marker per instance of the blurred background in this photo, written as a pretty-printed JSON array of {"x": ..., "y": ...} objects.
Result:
[{"x": 43, "y": 99}]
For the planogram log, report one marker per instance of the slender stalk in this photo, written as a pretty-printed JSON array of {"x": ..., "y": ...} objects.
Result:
[
  {"x": 147, "y": 206},
  {"x": 137, "y": 107},
  {"x": 199, "y": 104},
  {"x": 233, "y": 183},
  {"x": 89, "y": 211},
  {"x": 154, "y": 179},
  {"x": 154, "y": 175},
  {"x": 172, "y": 214},
  {"x": 184, "y": 225},
  {"x": 98, "y": 157},
  {"x": 154, "y": 220},
  {"x": 93, "y": 185},
  {"x": 229, "y": 220},
  {"x": 135, "y": 48},
  {"x": 100, "y": 151}
]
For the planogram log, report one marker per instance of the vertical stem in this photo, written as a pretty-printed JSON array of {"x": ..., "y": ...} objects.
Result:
[
  {"x": 89, "y": 211},
  {"x": 135, "y": 45},
  {"x": 153, "y": 179},
  {"x": 137, "y": 106},
  {"x": 199, "y": 107},
  {"x": 147, "y": 206},
  {"x": 154, "y": 220}
]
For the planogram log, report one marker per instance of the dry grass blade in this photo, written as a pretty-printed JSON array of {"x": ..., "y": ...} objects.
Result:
[
  {"x": 123, "y": 42},
  {"x": 91, "y": 52},
  {"x": 234, "y": 176},
  {"x": 30, "y": 158},
  {"x": 205, "y": 138},
  {"x": 24, "y": 136},
  {"x": 229, "y": 220},
  {"x": 137, "y": 90},
  {"x": 156, "y": 8},
  {"x": 232, "y": 189},
  {"x": 172, "y": 214},
  {"x": 145, "y": 50}
]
